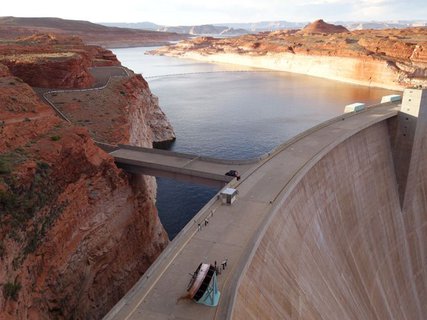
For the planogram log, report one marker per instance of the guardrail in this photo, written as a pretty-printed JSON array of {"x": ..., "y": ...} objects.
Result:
[{"x": 188, "y": 155}]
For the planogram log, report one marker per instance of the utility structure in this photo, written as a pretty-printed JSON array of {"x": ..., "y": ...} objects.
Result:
[{"x": 203, "y": 286}]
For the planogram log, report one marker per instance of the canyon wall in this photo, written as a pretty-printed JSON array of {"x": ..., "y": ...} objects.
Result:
[
  {"x": 392, "y": 59},
  {"x": 118, "y": 103},
  {"x": 361, "y": 71},
  {"x": 338, "y": 245},
  {"x": 76, "y": 232},
  {"x": 53, "y": 61}
]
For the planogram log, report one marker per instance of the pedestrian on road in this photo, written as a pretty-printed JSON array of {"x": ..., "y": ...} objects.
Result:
[{"x": 224, "y": 263}]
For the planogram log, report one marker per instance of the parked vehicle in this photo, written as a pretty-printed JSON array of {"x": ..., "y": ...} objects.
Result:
[{"x": 233, "y": 173}]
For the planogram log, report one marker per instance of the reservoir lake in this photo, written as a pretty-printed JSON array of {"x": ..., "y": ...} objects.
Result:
[{"x": 232, "y": 112}]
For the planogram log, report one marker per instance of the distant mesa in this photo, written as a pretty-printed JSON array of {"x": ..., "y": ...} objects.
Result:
[
  {"x": 320, "y": 26},
  {"x": 206, "y": 29},
  {"x": 262, "y": 26},
  {"x": 12, "y": 28}
]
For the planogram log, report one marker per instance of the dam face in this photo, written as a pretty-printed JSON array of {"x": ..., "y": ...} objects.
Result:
[{"x": 350, "y": 240}]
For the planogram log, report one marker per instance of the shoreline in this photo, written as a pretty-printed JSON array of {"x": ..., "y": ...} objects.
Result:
[
  {"x": 135, "y": 45},
  {"x": 317, "y": 66}
]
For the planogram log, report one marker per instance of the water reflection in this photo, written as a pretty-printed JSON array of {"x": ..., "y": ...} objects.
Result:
[{"x": 243, "y": 115}]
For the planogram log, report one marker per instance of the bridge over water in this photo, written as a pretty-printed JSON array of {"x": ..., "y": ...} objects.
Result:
[
  {"x": 175, "y": 165},
  {"x": 330, "y": 225}
]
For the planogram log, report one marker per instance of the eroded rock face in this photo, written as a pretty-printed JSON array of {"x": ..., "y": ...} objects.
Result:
[
  {"x": 53, "y": 61},
  {"x": 76, "y": 232},
  {"x": 4, "y": 71},
  {"x": 394, "y": 58},
  {"x": 64, "y": 70},
  {"x": 125, "y": 111}
]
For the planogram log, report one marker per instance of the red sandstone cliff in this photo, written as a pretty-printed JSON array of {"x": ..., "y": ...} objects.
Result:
[
  {"x": 119, "y": 101},
  {"x": 75, "y": 231},
  {"x": 384, "y": 58},
  {"x": 53, "y": 61}
]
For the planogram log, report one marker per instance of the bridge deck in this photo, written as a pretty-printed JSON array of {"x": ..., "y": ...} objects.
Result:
[
  {"x": 177, "y": 165},
  {"x": 233, "y": 230}
]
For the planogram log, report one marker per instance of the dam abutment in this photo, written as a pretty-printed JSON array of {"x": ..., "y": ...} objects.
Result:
[{"x": 408, "y": 144}]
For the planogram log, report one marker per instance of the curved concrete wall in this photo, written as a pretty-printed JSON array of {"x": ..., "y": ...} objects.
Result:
[{"x": 355, "y": 255}]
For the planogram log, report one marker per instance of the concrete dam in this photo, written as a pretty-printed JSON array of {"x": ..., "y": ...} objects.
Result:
[
  {"x": 332, "y": 225},
  {"x": 341, "y": 244}
]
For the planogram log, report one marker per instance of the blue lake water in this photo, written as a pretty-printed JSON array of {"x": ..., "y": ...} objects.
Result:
[{"x": 232, "y": 112}]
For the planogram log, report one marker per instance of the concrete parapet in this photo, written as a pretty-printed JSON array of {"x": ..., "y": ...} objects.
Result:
[
  {"x": 106, "y": 146},
  {"x": 189, "y": 156}
]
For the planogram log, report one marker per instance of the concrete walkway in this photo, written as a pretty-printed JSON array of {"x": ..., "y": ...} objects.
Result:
[
  {"x": 233, "y": 230},
  {"x": 174, "y": 165}
]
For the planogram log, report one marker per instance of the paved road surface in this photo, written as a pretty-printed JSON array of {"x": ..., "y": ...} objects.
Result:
[{"x": 177, "y": 165}]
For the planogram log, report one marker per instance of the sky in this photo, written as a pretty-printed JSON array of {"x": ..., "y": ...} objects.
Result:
[{"x": 193, "y": 12}]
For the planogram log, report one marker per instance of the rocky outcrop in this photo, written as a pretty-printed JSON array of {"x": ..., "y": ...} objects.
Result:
[
  {"x": 76, "y": 232},
  {"x": 65, "y": 70},
  {"x": 127, "y": 102},
  {"x": 391, "y": 59},
  {"x": 320, "y": 26},
  {"x": 149, "y": 123},
  {"x": 54, "y": 61},
  {"x": 149, "y": 120},
  {"x": 4, "y": 71}
]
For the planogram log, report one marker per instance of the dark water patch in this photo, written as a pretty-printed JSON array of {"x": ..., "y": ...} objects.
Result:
[{"x": 178, "y": 202}]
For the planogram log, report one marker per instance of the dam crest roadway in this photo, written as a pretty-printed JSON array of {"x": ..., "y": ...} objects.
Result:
[{"x": 330, "y": 225}]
